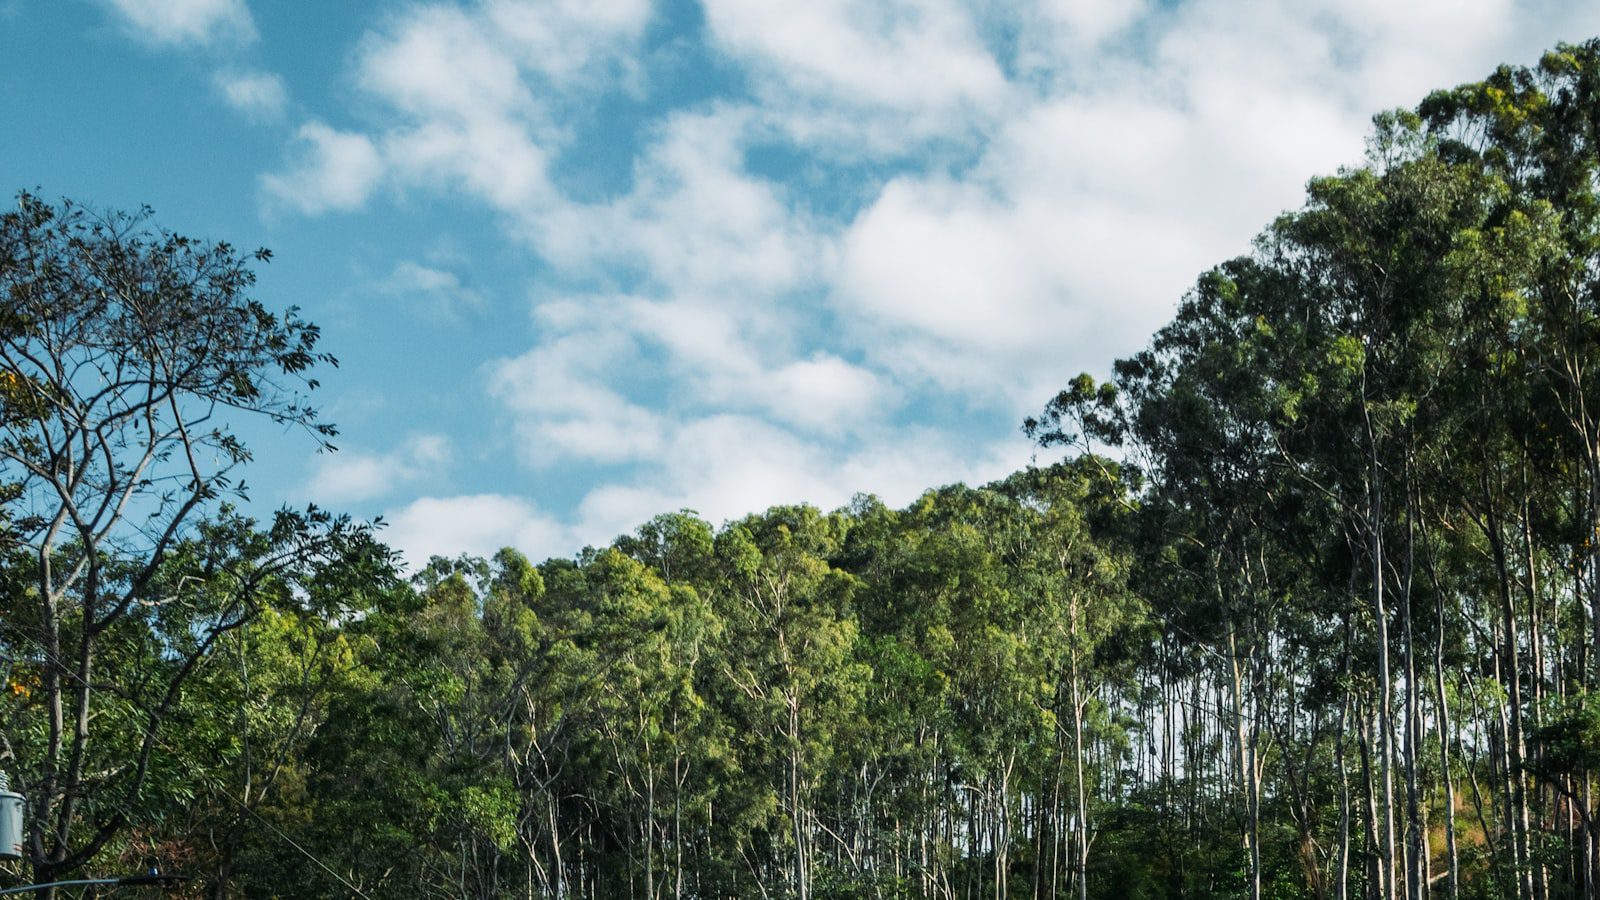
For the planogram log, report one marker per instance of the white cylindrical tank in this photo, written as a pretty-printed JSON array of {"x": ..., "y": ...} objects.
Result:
[{"x": 10, "y": 821}]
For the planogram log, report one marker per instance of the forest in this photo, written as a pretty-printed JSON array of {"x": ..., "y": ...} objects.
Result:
[{"x": 1301, "y": 601}]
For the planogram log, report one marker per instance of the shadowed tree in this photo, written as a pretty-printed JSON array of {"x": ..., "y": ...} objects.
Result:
[{"x": 129, "y": 356}]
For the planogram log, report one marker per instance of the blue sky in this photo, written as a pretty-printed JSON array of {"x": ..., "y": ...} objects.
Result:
[{"x": 585, "y": 261}]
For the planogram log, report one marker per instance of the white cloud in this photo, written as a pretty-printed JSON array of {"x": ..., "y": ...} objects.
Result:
[
  {"x": 943, "y": 259},
  {"x": 432, "y": 291},
  {"x": 1094, "y": 207},
  {"x": 487, "y": 60},
  {"x": 493, "y": 159},
  {"x": 725, "y": 466},
  {"x": 332, "y": 170},
  {"x": 478, "y": 524},
  {"x": 695, "y": 224},
  {"x": 259, "y": 95},
  {"x": 1399, "y": 54},
  {"x": 350, "y": 477},
  {"x": 721, "y": 466},
  {"x": 1080, "y": 24},
  {"x": 567, "y": 40},
  {"x": 839, "y": 73},
  {"x": 565, "y": 408},
  {"x": 824, "y": 393},
  {"x": 575, "y": 396},
  {"x": 474, "y": 94},
  {"x": 716, "y": 254},
  {"x": 186, "y": 21},
  {"x": 443, "y": 61},
  {"x": 467, "y": 114}
]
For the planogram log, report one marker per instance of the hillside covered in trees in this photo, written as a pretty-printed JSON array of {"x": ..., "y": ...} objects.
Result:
[{"x": 1310, "y": 608}]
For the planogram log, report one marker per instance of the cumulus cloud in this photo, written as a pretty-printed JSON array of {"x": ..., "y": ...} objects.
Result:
[
  {"x": 569, "y": 40},
  {"x": 443, "y": 61},
  {"x": 473, "y": 94},
  {"x": 258, "y": 95},
  {"x": 432, "y": 291},
  {"x": 195, "y": 22},
  {"x": 695, "y": 222},
  {"x": 1080, "y": 227},
  {"x": 351, "y": 476},
  {"x": 477, "y": 524},
  {"x": 824, "y": 393},
  {"x": 469, "y": 60},
  {"x": 836, "y": 73},
  {"x": 721, "y": 466},
  {"x": 565, "y": 407},
  {"x": 725, "y": 466},
  {"x": 715, "y": 254},
  {"x": 1096, "y": 203},
  {"x": 942, "y": 259},
  {"x": 1068, "y": 25},
  {"x": 467, "y": 113},
  {"x": 331, "y": 170}
]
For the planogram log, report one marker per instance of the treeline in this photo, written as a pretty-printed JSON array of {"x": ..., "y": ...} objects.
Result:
[
  {"x": 1312, "y": 608},
  {"x": 937, "y": 701},
  {"x": 864, "y": 703}
]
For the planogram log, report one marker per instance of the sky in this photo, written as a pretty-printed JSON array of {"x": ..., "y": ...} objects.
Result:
[{"x": 588, "y": 261}]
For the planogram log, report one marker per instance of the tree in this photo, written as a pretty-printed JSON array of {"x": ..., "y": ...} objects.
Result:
[
  {"x": 129, "y": 356},
  {"x": 789, "y": 669}
]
